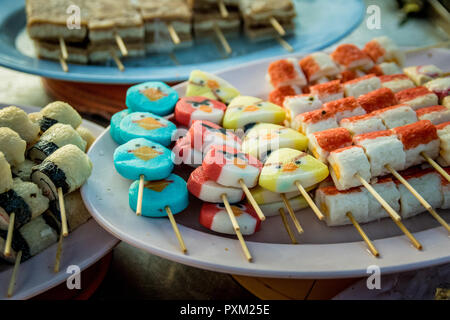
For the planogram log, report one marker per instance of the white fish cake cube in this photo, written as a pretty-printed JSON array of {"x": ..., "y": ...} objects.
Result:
[
  {"x": 384, "y": 49},
  {"x": 427, "y": 184},
  {"x": 344, "y": 108},
  {"x": 416, "y": 98},
  {"x": 445, "y": 190},
  {"x": 295, "y": 105},
  {"x": 328, "y": 91},
  {"x": 314, "y": 121},
  {"x": 386, "y": 68},
  {"x": 335, "y": 205},
  {"x": 441, "y": 87},
  {"x": 382, "y": 148},
  {"x": 322, "y": 143},
  {"x": 387, "y": 189},
  {"x": 436, "y": 114},
  {"x": 443, "y": 132},
  {"x": 318, "y": 65},
  {"x": 363, "y": 124},
  {"x": 362, "y": 85},
  {"x": 422, "y": 74},
  {"x": 345, "y": 163},
  {"x": 396, "y": 82},
  {"x": 397, "y": 116},
  {"x": 286, "y": 72}
]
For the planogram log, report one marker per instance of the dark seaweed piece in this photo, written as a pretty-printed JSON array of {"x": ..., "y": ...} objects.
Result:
[
  {"x": 46, "y": 147},
  {"x": 56, "y": 175},
  {"x": 11, "y": 202},
  {"x": 52, "y": 219},
  {"x": 18, "y": 243},
  {"x": 46, "y": 123}
]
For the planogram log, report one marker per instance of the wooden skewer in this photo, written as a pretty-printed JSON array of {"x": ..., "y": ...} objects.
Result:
[
  {"x": 413, "y": 240},
  {"x": 277, "y": 26},
  {"x": 12, "y": 281},
  {"x": 176, "y": 230},
  {"x": 173, "y": 57},
  {"x": 230, "y": 212},
  {"x": 63, "y": 64},
  {"x": 394, "y": 215},
  {"x": 424, "y": 203},
  {"x": 62, "y": 210},
  {"x": 436, "y": 166},
  {"x": 116, "y": 59},
  {"x": 284, "y": 44},
  {"x": 10, "y": 235},
  {"x": 58, "y": 254},
  {"x": 62, "y": 45},
  {"x": 173, "y": 34},
  {"x": 223, "y": 9},
  {"x": 252, "y": 200},
  {"x": 222, "y": 39},
  {"x": 140, "y": 195},
  {"x": 287, "y": 227},
  {"x": 310, "y": 201},
  {"x": 121, "y": 44},
  {"x": 366, "y": 239},
  {"x": 291, "y": 213},
  {"x": 437, "y": 45}
]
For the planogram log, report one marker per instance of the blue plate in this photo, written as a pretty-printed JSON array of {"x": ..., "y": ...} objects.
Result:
[{"x": 320, "y": 23}]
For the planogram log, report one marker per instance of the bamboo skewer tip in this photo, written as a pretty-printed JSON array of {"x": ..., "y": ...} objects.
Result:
[
  {"x": 287, "y": 227},
  {"x": 62, "y": 209},
  {"x": 252, "y": 200},
  {"x": 58, "y": 254},
  {"x": 176, "y": 230},
  {"x": 277, "y": 26},
  {"x": 366, "y": 239},
  {"x": 121, "y": 44},
  {"x": 291, "y": 213},
  {"x": 12, "y": 281},
  {"x": 140, "y": 195},
  {"x": 310, "y": 201}
]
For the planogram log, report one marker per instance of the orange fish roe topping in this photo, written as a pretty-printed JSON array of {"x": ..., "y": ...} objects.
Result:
[
  {"x": 309, "y": 66},
  {"x": 349, "y": 103},
  {"x": 345, "y": 149},
  {"x": 367, "y": 76},
  {"x": 392, "y": 77},
  {"x": 327, "y": 88},
  {"x": 348, "y": 75},
  {"x": 410, "y": 94},
  {"x": 316, "y": 116},
  {"x": 277, "y": 96},
  {"x": 333, "y": 139},
  {"x": 431, "y": 109},
  {"x": 372, "y": 135},
  {"x": 345, "y": 54},
  {"x": 376, "y": 70},
  {"x": 358, "y": 118},
  {"x": 421, "y": 132},
  {"x": 374, "y": 50},
  {"x": 332, "y": 190},
  {"x": 280, "y": 71},
  {"x": 378, "y": 99},
  {"x": 376, "y": 112},
  {"x": 442, "y": 126}
]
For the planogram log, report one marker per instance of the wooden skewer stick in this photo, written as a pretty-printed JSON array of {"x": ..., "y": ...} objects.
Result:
[
  {"x": 223, "y": 9},
  {"x": 277, "y": 26},
  {"x": 284, "y": 44},
  {"x": 252, "y": 200},
  {"x": 116, "y": 59},
  {"x": 411, "y": 238},
  {"x": 310, "y": 201},
  {"x": 62, "y": 210},
  {"x": 63, "y": 64},
  {"x": 176, "y": 230},
  {"x": 437, "y": 45},
  {"x": 424, "y": 203},
  {"x": 10, "y": 235},
  {"x": 230, "y": 212},
  {"x": 436, "y": 166},
  {"x": 62, "y": 45},
  {"x": 291, "y": 213},
  {"x": 394, "y": 215},
  {"x": 173, "y": 34},
  {"x": 366, "y": 239},
  {"x": 12, "y": 282},
  {"x": 121, "y": 44},
  {"x": 58, "y": 254},
  {"x": 140, "y": 195},
  {"x": 222, "y": 39},
  {"x": 287, "y": 227}
]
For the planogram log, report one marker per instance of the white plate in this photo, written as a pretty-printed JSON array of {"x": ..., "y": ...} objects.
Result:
[
  {"x": 83, "y": 247},
  {"x": 323, "y": 252}
]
